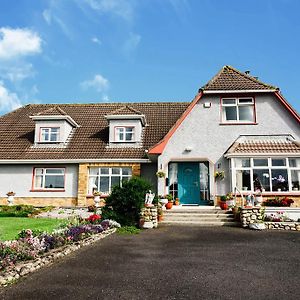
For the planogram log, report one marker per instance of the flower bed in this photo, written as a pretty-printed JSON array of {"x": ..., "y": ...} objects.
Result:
[{"x": 32, "y": 246}]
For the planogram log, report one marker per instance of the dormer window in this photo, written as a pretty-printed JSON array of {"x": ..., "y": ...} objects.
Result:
[
  {"x": 53, "y": 128},
  {"x": 238, "y": 110},
  {"x": 50, "y": 134},
  {"x": 124, "y": 134}
]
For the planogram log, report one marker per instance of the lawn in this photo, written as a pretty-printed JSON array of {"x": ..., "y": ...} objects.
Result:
[{"x": 10, "y": 227}]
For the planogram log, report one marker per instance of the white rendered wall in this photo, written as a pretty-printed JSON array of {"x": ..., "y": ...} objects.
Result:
[
  {"x": 65, "y": 128},
  {"x": 126, "y": 123},
  {"x": 201, "y": 131},
  {"x": 18, "y": 178}
]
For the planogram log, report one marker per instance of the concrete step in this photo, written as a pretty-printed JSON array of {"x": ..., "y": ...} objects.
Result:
[
  {"x": 198, "y": 216},
  {"x": 200, "y": 223}
]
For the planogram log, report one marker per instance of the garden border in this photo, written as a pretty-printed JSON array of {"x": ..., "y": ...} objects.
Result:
[{"x": 22, "y": 269}]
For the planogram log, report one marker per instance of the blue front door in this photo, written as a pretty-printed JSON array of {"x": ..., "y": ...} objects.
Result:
[{"x": 188, "y": 183}]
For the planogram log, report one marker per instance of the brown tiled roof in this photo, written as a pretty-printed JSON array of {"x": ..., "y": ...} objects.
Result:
[
  {"x": 54, "y": 111},
  {"x": 265, "y": 145},
  {"x": 230, "y": 79},
  {"x": 125, "y": 110},
  {"x": 90, "y": 140}
]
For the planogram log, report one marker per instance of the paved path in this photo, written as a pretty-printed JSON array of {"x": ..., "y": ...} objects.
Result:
[{"x": 174, "y": 263}]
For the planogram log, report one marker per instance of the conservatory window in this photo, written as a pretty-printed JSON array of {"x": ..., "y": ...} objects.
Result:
[{"x": 267, "y": 174}]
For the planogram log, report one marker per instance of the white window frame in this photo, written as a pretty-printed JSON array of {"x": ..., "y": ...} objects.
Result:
[
  {"x": 124, "y": 130},
  {"x": 51, "y": 131},
  {"x": 269, "y": 167},
  {"x": 237, "y": 104},
  {"x": 43, "y": 178},
  {"x": 110, "y": 175}
]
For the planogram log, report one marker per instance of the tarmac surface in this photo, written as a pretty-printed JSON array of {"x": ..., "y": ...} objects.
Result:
[{"x": 173, "y": 263}]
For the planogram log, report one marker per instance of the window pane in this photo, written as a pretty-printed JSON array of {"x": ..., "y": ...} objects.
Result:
[
  {"x": 129, "y": 129},
  {"x": 230, "y": 113},
  {"x": 129, "y": 136},
  {"x": 45, "y": 134},
  {"x": 115, "y": 180},
  {"x": 294, "y": 162},
  {"x": 55, "y": 171},
  {"x": 38, "y": 182},
  {"x": 104, "y": 184},
  {"x": 295, "y": 175},
  {"x": 279, "y": 180},
  {"x": 242, "y": 162},
  {"x": 278, "y": 162},
  {"x": 260, "y": 162},
  {"x": 126, "y": 171},
  {"x": 261, "y": 179},
  {"x": 243, "y": 181},
  {"x": 245, "y": 101},
  {"x": 246, "y": 113},
  {"x": 38, "y": 171},
  {"x": 173, "y": 185},
  {"x": 116, "y": 171},
  {"x": 54, "y": 181},
  {"x": 93, "y": 184},
  {"x": 229, "y": 101},
  {"x": 104, "y": 170},
  {"x": 94, "y": 171}
]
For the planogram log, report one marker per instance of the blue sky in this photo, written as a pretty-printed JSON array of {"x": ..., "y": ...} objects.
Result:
[{"x": 82, "y": 51}]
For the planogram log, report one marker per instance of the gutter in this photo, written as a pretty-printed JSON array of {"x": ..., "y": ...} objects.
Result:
[
  {"x": 238, "y": 91},
  {"x": 70, "y": 161}
]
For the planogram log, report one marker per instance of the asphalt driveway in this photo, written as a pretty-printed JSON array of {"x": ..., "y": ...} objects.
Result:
[{"x": 173, "y": 263}]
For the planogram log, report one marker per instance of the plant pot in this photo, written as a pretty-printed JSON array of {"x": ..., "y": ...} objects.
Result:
[
  {"x": 176, "y": 202},
  {"x": 169, "y": 205},
  {"x": 160, "y": 218},
  {"x": 223, "y": 205}
]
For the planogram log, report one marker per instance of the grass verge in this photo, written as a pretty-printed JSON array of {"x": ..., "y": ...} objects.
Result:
[
  {"x": 128, "y": 230},
  {"x": 10, "y": 227}
]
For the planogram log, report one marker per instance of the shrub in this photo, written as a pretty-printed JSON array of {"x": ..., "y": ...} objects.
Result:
[
  {"x": 17, "y": 211},
  {"x": 124, "y": 203}
]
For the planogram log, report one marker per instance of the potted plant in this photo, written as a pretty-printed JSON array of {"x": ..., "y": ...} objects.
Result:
[
  {"x": 97, "y": 198},
  {"x": 223, "y": 204},
  {"x": 10, "y": 197},
  {"x": 160, "y": 174},
  {"x": 219, "y": 175},
  {"x": 230, "y": 200},
  {"x": 159, "y": 212},
  {"x": 258, "y": 198},
  {"x": 169, "y": 205},
  {"x": 177, "y": 202}
]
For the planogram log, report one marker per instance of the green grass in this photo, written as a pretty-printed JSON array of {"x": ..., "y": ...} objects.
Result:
[
  {"x": 128, "y": 230},
  {"x": 10, "y": 227}
]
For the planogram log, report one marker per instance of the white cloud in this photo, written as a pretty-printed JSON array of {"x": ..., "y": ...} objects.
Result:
[
  {"x": 131, "y": 43},
  {"x": 47, "y": 16},
  {"x": 122, "y": 8},
  {"x": 16, "y": 71},
  {"x": 51, "y": 17},
  {"x": 96, "y": 40},
  {"x": 8, "y": 100},
  {"x": 99, "y": 83},
  {"x": 18, "y": 42}
]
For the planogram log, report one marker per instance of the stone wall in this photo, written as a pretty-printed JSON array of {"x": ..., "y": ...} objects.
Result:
[
  {"x": 256, "y": 215},
  {"x": 148, "y": 214},
  {"x": 251, "y": 215},
  {"x": 42, "y": 201}
]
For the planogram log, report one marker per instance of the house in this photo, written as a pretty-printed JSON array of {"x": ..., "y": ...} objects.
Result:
[{"x": 236, "y": 127}]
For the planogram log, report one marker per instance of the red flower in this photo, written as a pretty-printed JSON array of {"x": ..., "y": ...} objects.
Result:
[{"x": 93, "y": 218}]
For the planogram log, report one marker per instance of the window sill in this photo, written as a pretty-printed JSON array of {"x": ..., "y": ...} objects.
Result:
[
  {"x": 237, "y": 123},
  {"x": 48, "y": 190}
]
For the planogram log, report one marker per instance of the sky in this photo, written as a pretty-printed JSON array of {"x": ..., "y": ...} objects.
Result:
[{"x": 93, "y": 51}]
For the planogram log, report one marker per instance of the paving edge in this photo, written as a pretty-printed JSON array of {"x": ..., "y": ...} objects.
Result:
[{"x": 22, "y": 269}]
